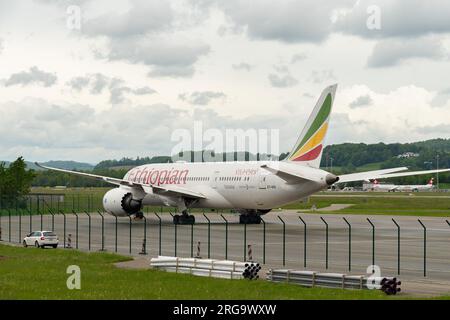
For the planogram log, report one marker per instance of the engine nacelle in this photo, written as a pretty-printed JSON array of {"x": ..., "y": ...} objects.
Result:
[{"x": 120, "y": 202}]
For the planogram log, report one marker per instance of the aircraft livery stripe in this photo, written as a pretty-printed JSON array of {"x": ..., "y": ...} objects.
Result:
[
  {"x": 313, "y": 142},
  {"x": 321, "y": 117},
  {"x": 310, "y": 155}
]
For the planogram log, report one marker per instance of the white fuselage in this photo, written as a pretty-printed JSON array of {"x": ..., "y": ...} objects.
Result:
[
  {"x": 243, "y": 185},
  {"x": 404, "y": 188},
  {"x": 409, "y": 188}
]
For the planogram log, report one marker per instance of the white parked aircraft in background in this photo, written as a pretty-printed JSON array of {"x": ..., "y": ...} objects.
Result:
[
  {"x": 251, "y": 188},
  {"x": 376, "y": 186}
]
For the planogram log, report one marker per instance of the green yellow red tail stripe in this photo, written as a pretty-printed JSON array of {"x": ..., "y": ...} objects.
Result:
[{"x": 310, "y": 145}]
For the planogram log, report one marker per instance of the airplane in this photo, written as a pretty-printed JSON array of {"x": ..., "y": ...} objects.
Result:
[
  {"x": 376, "y": 186},
  {"x": 250, "y": 188}
]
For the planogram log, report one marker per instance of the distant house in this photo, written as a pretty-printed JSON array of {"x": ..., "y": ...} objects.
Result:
[{"x": 407, "y": 155}]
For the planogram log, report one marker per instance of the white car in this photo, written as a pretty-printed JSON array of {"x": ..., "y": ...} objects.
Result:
[{"x": 41, "y": 239}]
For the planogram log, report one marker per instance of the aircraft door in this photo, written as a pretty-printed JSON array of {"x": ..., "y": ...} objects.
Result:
[
  {"x": 215, "y": 179},
  {"x": 262, "y": 181}
]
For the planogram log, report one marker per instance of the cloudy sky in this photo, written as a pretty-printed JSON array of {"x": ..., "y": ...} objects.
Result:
[{"x": 88, "y": 81}]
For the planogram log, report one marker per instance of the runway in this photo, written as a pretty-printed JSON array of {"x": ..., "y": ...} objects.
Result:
[{"x": 271, "y": 248}]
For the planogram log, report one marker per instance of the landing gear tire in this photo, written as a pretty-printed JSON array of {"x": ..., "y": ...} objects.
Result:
[
  {"x": 139, "y": 216},
  {"x": 249, "y": 219},
  {"x": 183, "y": 219}
]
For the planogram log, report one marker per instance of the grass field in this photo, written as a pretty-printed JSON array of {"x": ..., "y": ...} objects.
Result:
[
  {"x": 382, "y": 204},
  {"x": 29, "y": 273}
]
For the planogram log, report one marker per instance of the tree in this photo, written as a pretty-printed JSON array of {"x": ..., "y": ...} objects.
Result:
[{"x": 15, "y": 182}]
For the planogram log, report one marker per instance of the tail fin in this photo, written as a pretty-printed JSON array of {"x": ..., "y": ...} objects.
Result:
[{"x": 309, "y": 146}]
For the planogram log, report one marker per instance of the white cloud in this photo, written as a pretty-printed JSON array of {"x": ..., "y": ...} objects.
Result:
[
  {"x": 320, "y": 76},
  {"x": 282, "y": 78},
  {"x": 390, "y": 52},
  {"x": 361, "y": 101},
  {"x": 298, "y": 57},
  {"x": 103, "y": 72},
  {"x": 142, "y": 18},
  {"x": 287, "y": 21},
  {"x": 117, "y": 88},
  {"x": 242, "y": 66},
  {"x": 33, "y": 76},
  {"x": 167, "y": 56},
  {"x": 202, "y": 98}
]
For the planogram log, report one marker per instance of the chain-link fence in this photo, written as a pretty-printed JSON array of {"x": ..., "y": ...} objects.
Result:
[{"x": 404, "y": 245}]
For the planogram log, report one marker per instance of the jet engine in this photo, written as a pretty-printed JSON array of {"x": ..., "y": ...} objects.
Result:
[{"x": 120, "y": 202}]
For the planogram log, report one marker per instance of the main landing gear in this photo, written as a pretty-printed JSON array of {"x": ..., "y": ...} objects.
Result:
[
  {"x": 249, "y": 219},
  {"x": 184, "y": 218},
  {"x": 138, "y": 216}
]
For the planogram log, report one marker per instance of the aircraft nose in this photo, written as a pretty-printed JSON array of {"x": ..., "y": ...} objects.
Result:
[{"x": 331, "y": 178}]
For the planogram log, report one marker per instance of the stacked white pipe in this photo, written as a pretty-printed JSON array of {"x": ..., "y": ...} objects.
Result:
[
  {"x": 389, "y": 285},
  {"x": 208, "y": 267}
]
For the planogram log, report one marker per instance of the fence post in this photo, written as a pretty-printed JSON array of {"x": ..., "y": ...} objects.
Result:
[
  {"x": 115, "y": 238},
  {"x": 284, "y": 240},
  {"x": 53, "y": 219},
  {"x": 226, "y": 236},
  {"x": 398, "y": 245},
  {"x": 175, "y": 236},
  {"x": 209, "y": 236},
  {"x": 192, "y": 240},
  {"x": 20, "y": 223},
  {"x": 373, "y": 243},
  {"x": 64, "y": 227},
  {"x": 103, "y": 230},
  {"x": 349, "y": 244},
  {"x": 159, "y": 218},
  {"x": 9, "y": 225},
  {"x": 129, "y": 217},
  {"x": 89, "y": 230},
  {"x": 424, "y": 248},
  {"x": 31, "y": 217},
  {"x": 40, "y": 212},
  {"x": 245, "y": 240},
  {"x": 76, "y": 226},
  {"x": 144, "y": 246},
  {"x": 304, "y": 241},
  {"x": 264, "y": 240},
  {"x": 326, "y": 242}
]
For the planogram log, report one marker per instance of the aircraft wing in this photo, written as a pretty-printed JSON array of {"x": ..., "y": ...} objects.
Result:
[
  {"x": 148, "y": 188},
  {"x": 369, "y": 175},
  {"x": 360, "y": 176}
]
